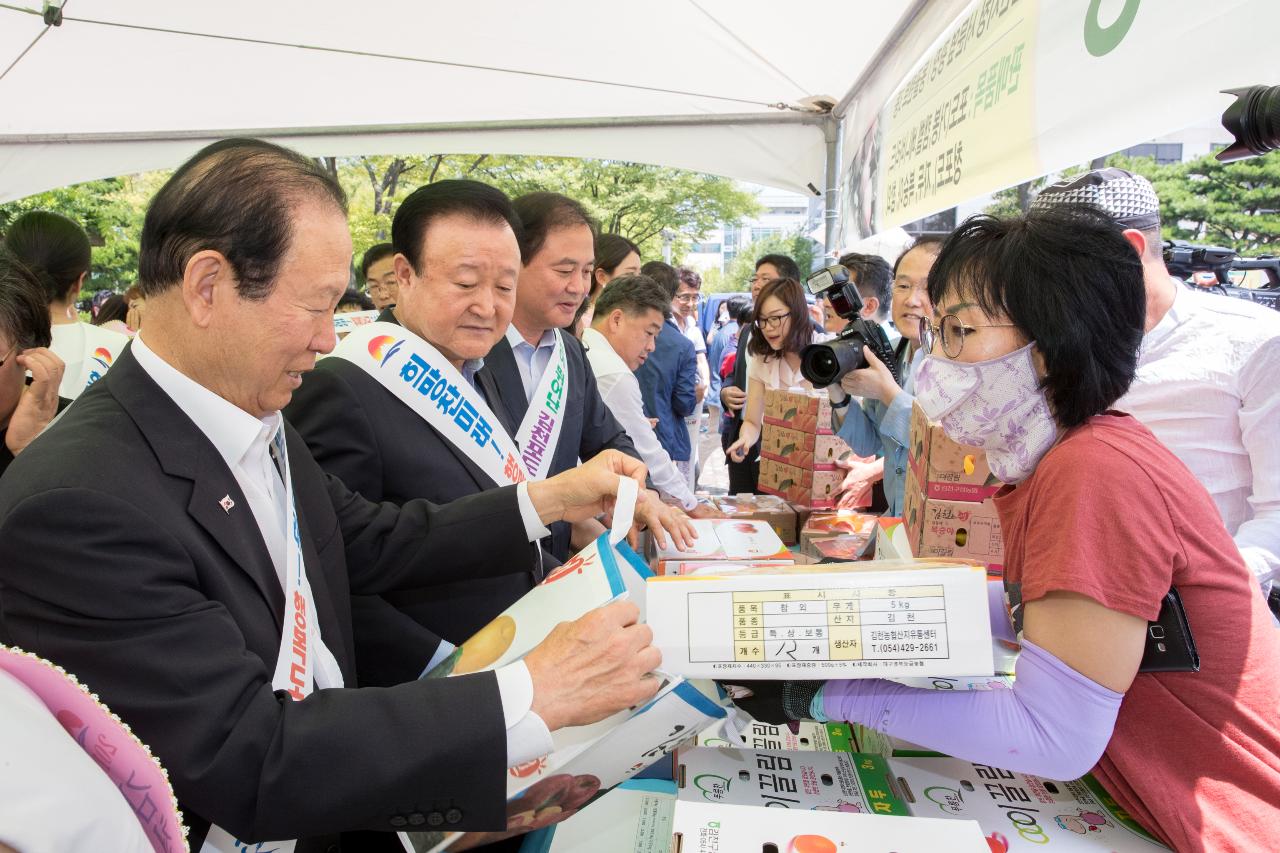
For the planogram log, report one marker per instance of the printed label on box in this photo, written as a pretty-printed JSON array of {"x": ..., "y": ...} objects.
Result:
[{"x": 826, "y": 621}]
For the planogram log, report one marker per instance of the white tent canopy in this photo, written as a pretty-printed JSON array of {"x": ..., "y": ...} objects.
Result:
[{"x": 712, "y": 85}]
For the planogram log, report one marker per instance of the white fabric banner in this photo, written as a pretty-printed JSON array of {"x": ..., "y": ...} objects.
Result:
[{"x": 1016, "y": 89}]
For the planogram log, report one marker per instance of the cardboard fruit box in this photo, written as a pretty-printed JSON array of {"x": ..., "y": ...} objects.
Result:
[
  {"x": 726, "y": 828},
  {"x": 893, "y": 542},
  {"x": 816, "y": 489},
  {"x": 947, "y": 470},
  {"x": 804, "y": 411},
  {"x": 1018, "y": 812},
  {"x": 942, "y": 528},
  {"x": 802, "y": 449},
  {"x": 846, "y": 782},
  {"x": 780, "y": 515}
]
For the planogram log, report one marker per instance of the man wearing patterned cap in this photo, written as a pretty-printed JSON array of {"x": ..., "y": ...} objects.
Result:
[{"x": 1206, "y": 373}]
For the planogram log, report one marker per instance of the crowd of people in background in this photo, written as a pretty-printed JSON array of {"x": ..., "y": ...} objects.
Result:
[{"x": 212, "y": 452}]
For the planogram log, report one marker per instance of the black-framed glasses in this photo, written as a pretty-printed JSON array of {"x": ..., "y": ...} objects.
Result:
[
  {"x": 774, "y": 322},
  {"x": 951, "y": 332}
]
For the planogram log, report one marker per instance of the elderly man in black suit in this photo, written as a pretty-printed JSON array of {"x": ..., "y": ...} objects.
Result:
[
  {"x": 172, "y": 542},
  {"x": 537, "y": 354},
  {"x": 457, "y": 262}
]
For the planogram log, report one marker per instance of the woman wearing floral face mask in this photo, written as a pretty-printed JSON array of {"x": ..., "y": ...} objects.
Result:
[{"x": 1039, "y": 322}]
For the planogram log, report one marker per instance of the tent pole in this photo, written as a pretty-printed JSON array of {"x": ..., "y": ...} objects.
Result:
[
  {"x": 637, "y": 122},
  {"x": 833, "y": 132}
]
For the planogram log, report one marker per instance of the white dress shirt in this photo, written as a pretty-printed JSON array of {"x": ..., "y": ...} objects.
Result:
[
  {"x": 620, "y": 391},
  {"x": 243, "y": 441},
  {"x": 530, "y": 360},
  {"x": 1207, "y": 387}
]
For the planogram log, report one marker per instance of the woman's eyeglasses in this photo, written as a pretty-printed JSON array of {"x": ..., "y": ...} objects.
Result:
[
  {"x": 774, "y": 322},
  {"x": 950, "y": 333}
]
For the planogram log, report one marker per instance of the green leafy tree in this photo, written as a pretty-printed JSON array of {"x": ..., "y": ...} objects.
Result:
[
  {"x": 1236, "y": 205},
  {"x": 110, "y": 211},
  {"x": 798, "y": 247},
  {"x": 636, "y": 200}
]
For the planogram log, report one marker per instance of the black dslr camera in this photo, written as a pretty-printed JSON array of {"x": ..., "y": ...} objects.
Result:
[{"x": 825, "y": 363}]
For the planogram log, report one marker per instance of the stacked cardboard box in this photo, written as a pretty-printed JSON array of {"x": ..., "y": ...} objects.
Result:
[
  {"x": 798, "y": 452},
  {"x": 947, "y": 506}
]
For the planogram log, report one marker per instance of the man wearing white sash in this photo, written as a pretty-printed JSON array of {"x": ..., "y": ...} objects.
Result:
[
  {"x": 174, "y": 543},
  {"x": 542, "y": 371},
  {"x": 372, "y": 423},
  {"x": 57, "y": 252}
]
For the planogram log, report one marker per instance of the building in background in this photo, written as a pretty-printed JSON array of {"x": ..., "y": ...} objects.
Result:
[{"x": 783, "y": 214}]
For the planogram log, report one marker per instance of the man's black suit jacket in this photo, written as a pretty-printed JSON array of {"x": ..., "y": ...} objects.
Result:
[
  {"x": 589, "y": 427},
  {"x": 376, "y": 445},
  {"x": 119, "y": 562}
]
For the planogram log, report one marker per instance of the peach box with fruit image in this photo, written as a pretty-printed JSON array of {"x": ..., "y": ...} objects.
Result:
[
  {"x": 946, "y": 470},
  {"x": 805, "y": 411},
  {"x": 815, "y": 489},
  {"x": 802, "y": 449}
]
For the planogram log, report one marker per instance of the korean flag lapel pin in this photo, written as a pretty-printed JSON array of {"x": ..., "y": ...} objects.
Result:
[{"x": 226, "y": 503}]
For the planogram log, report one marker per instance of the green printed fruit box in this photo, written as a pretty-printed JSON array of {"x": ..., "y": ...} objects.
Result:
[
  {"x": 844, "y": 782},
  {"x": 701, "y": 827},
  {"x": 741, "y": 732},
  {"x": 1019, "y": 812}
]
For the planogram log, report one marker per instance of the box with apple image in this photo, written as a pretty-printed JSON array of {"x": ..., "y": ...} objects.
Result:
[
  {"x": 700, "y": 827},
  {"x": 634, "y": 817},
  {"x": 1019, "y": 812},
  {"x": 725, "y": 539},
  {"x": 587, "y": 760},
  {"x": 845, "y": 782},
  {"x": 839, "y": 620}
]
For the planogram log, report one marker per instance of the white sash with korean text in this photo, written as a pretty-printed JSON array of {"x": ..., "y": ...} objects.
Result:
[
  {"x": 424, "y": 380},
  {"x": 540, "y": 430},
  {"x": 304, "y": 662}
]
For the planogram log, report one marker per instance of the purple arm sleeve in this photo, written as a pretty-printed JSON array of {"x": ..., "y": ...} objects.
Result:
[
  {"x": 1053, "y": 723},
  {"x": 1001, "y": 627}
]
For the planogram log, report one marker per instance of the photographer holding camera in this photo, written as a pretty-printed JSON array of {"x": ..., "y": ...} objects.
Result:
[{"x": 880, "y": 424}]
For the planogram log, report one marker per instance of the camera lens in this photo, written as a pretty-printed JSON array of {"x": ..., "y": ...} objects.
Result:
[
  {"x": 824, "y": 364},
  {"x": 1254, "y": 120}
]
